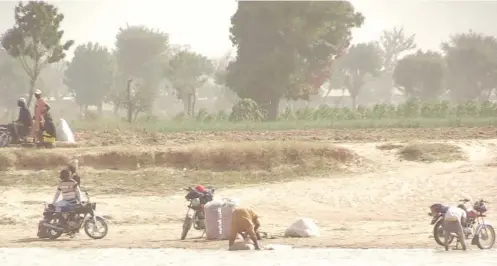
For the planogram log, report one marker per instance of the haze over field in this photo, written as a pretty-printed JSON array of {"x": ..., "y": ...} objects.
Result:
[
  {"x": 345, "y": 105},
  {"x": 204, "y": 25}
]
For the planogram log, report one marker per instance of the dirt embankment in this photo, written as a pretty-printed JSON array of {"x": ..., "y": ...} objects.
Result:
[{"x": 225, "y": 156}]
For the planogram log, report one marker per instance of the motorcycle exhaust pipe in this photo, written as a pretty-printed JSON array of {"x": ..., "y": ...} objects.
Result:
[{"x": 47, "y": 225}]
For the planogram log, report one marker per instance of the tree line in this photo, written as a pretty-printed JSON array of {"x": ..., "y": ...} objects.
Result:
[{"x": 285, "y": 50}]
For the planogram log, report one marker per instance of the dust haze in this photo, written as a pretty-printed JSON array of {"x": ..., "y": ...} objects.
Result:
[{"x": 206, "y": 32}]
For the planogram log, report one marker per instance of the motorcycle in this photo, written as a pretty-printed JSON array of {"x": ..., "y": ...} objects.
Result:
[
  {"x": 8, "y": 136},
  {"x": 5, "y": 135},
  {"x": 475, "y": 228},
  {"x": 478, "y": 229},
  {"x": 70, "y": 221},
  {"x": 197, "y": 201}
]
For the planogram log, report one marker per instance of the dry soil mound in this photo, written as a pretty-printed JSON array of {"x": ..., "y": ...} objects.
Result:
[
  {"x": 214, "y": 157},
  {"x": 431, "y": 152}
]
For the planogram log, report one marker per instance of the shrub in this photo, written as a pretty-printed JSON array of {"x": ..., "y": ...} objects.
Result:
[{"x": 246, "y": 110}]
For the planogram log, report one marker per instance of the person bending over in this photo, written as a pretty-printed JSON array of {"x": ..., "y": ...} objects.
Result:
[
  {"x": 454, "y": 219},
  {"x": 244, "y": 222}
]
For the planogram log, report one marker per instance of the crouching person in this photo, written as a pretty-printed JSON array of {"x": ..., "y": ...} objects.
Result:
[
  {"x": 246, "y": 223},
  {"x": 454, "y": 219}
]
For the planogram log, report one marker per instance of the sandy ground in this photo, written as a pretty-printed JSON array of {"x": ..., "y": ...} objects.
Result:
[{"x": 383, "y": 208}]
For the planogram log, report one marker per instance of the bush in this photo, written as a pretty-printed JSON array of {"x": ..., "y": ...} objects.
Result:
[
  {"x": 410, "y": 109},
  {"x": 246, "y": 110}
]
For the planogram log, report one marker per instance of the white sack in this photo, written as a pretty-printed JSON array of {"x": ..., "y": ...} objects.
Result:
[
  {"x": 213, "y": 220},
  {"x": 303, "y": 227},
  {"x": 64, "y": 132},
  {"x": 227, "y": 209}
]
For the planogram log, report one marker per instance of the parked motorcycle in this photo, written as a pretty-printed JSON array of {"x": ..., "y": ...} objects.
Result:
[
  {"x": 476, "y": 227},
  {"x": 479, "y": 229},
  {"x": 70, "y": 221},
  {"x": 197, "y": 201}
]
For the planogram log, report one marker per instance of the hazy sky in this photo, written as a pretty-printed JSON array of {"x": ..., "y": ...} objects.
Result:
[{"x": 204, "y": 24}]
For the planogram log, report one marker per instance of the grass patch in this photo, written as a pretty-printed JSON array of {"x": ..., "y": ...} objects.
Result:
[
  {"x": 218, "y": 157},
  {"x": 166, "y": 171},
  {"x": 157, "y": 181},
  {"x": 431, "y": 152},
  {"x": 167, "y": 126}
]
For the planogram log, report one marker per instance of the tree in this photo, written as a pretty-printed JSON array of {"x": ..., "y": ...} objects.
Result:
[
  {"x": 13, "y": 80},
  {"x": 36, "y": 39},
  {"x": 285, "y": 49},
  {"x": 421, "y": 75},
  {"x": 90, "y": 74},
  {"x": 472, "y": 65},
  {"x": 140, "y": 55},
  {"x": 393, "y": 43},
  {"x": 187, "y": 72},
  {"x": 361, "y": 60}
]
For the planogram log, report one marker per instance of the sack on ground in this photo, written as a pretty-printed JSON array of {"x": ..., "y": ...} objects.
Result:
[
  {"x": 303, "y": 227},
  {"x": 64, "y": 132},
  {"x": 213, "y": 220},
  {"x": 227, "y": 209}
]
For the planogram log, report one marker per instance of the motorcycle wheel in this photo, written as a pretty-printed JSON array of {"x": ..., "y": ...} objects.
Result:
[
  {"x": 187, "y": 225},
  {"x": 438, "y": 233},
  {"x": 490, "y": 233},
  {"x": 51, "y": 233},
  {"x": 89, "y": 224},
  {"x": 4, "y": 138}
]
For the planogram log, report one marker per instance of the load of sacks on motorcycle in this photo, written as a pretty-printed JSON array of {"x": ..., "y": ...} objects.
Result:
[{"x": 227, "y": 219}]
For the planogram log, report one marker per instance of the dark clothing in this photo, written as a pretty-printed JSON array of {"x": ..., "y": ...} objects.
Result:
[
  {"x": 49, "y": 127},
  {"x": 77, "y": 178},
  {"x": 25, "y": 117}
]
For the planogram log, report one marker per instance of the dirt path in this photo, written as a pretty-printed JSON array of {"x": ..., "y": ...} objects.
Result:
[{"x": 385, "y": 208}]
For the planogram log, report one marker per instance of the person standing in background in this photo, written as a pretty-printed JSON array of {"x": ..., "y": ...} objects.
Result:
[{"x": 41, "y": 107}]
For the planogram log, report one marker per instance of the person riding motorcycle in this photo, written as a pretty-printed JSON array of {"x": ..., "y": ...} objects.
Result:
[
  {"x": 24, "y": 122},
  {"x": 71, "y": 194}
]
